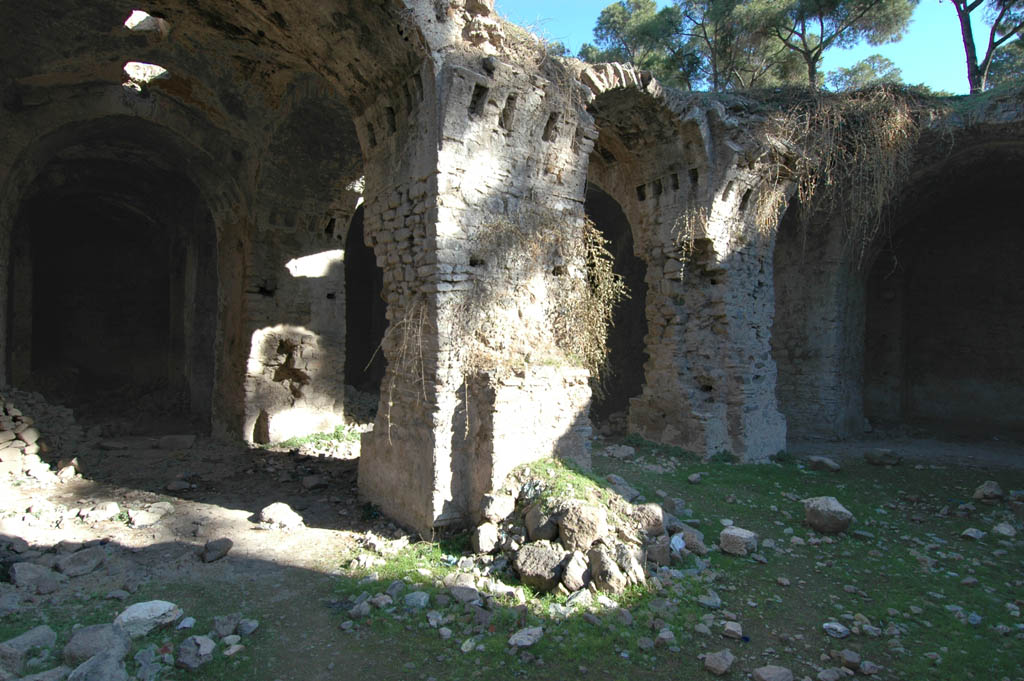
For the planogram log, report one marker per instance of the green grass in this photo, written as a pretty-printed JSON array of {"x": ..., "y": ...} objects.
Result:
[
  {"x": 915, "y": 560},
  {"x": 342, "y": 433}
]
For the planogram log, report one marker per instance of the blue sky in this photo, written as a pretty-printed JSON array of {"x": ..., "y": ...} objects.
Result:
[{"x": 931, "y": 51}]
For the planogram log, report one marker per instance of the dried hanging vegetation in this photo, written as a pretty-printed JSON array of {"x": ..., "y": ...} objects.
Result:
[
  {"x": 543, "y": 291},
  {"x": 848, "y": 154}
]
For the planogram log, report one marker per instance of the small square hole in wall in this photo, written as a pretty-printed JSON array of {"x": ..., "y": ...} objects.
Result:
[
  {"x": 551, "y": 129},
  {"x": 392, "y": 123},
  {"x": 641, "y": 193},
  {"x": 508, "y": 112},
  {"x": 478, "y": 101}
]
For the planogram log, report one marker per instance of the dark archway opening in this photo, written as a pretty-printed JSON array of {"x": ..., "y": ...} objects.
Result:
[
  {"x": 365, "y": 312},
  {"x": 944, "y": 327},
  {"x": 624, "y": 378},
  {"x": 113, "y": 296}
]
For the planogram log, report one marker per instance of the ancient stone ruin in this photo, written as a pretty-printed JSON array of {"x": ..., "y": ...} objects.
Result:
[{"x": 235, "y": 210}]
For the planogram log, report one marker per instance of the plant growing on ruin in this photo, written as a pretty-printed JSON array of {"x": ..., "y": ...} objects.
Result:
[
  {"x": 542, "y": 289},
  {"x": 849, "y": 155}
]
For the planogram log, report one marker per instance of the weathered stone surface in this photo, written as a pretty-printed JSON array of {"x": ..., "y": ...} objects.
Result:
[
  {"x": 194, "y": 652},
  {"x": 605, "y": 571},
  {"x": 772, "y": 673},
  {"x": 81, "y": 562},
  {"x": 101, "y": 667},
  {"x": 581, "y": 525},
  {"x": 485, "y": 538},
  {"x": 988, "y": 491},
  {"x": 35, "y": 578},
  {"x": 216, "y": 549},
  {"x": 524, "y": 638},
  {"x": 826, "y": 515},
  {"x": 539, "y": 524},
  {"x": 15, "y": 651},
  {"x": 141, "y": 618},
  {"x": 650, "y": 518},
  {"x": 93, "y": 640},
  {"x": 496, "y": 507},
  {"x": 540, "y": 564},
  {"x": 281, "y": 516},
  {"x": 56, "y": 674},
  {"x": 577, "y": 572},
  {"x": 737, "y": 541},
  {"x": 719, "y": 663}
]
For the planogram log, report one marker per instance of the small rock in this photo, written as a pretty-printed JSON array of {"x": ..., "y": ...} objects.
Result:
[
  {"x": 720, "y": 662},
  {"x": 497, "y": 507},
  {"x": 868, "y": 668},
  {"x": 694, "y": 478},
  {"x": 988, "y": 491},
  {"x": 35, "y": 578},
  {"x": 577, "y": 572},
  {"x": 81, "y": 562},
  {"x": 87, "y": 642},
  {"x": 233, "y": 649},
  {"x": 1005, "y": 530},
  {"x": 826, "y": 515},
  {"x": 485, "y": 538},
  {"x": 186, "y": 623},
  {"x": 772, "y": 673},
  {"x": 650, "y": 518},
  {"x": 417, "y": 600},
  {"x": 732, "y": 630},
  {"x": 247, "y": 627},
  {"x": 280, "y": 515},
  {"x": 101, "y": 667},
  {"x": 823, "y": 463},
  {"x": 14, "y": 652},
  {"x": 539, "y": 524},
  {"x": 539, "y": 565},
  {"x": 849, "y": 658},
  {"x": 141, "y": 618},
  {"x": 835, "y": 630},
  {"x": 737, "y": 541},
  {"x": 710, "y": 600},
  {"x": 216, "y": 549},
  {"x": 605, "y": 571},
  {"x": 972, "y": 533},
  {"x": 194, "y": 652},
  {"x": 622, "y": 488},
  {"x": 178, "y": 486},
  {"x": 882, "y": 457},
  {"x": 524, "y": 638},
  {"x": 314, "y": 482},
  {"x": 581, "y": 525}
]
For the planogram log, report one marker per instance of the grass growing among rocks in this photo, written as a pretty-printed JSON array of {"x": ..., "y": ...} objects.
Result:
[
  {"x": 941, "y": 606},
  {"x": 906, "y": 581}
]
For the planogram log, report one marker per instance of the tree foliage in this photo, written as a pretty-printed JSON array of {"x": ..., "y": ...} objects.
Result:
[
  {"x": 810, "y": 27},
  {"x": 873, "y": 70},
  {"x": 739, "y": 44},
  {"x": 1007, "y": 64},
  {"x": 637, "y": 32},
  {"x": 734, "y": 53},
  {"x": 1005, "y": 21}
]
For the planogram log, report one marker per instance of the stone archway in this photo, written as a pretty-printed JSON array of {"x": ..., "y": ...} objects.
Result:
[
  {"x": 626, "y": 340},
  {"x": 944, "y": 302}
]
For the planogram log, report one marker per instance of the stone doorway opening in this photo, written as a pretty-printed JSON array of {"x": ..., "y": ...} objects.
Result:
[
  {"x": 113, "y": 295},
  {"x": 944, "y": 312},
  {"x": 365, "y": 312},
  {"x": 624, "y": 378}
]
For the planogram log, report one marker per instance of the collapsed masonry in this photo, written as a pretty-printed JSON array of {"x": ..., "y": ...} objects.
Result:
[{"x": 227, "y": 204}]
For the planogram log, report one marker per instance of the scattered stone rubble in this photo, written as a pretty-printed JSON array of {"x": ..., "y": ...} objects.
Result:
[{"x": 99, "y": 652}]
